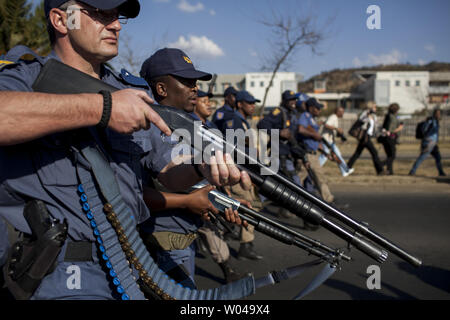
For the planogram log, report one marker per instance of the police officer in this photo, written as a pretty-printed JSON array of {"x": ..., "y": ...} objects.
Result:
[
  {"x": 308, "y": 130},
  {"x": 283, "y": 118},
  {"x": 225, "y": 113},
  {"x": 245, "y": 104},
  {"x": 210, "y": 235},
  {"x": 173, "y": 80},
  {"x": 37, "y": 155}
]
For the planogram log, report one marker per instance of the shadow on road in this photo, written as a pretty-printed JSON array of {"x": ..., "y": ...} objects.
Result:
[
  {"x": 357, "y": 293},
  {"x": 434, "y": 276},
  {"x": 203, "y": 273},
  {"x": 443, "y": 180}
]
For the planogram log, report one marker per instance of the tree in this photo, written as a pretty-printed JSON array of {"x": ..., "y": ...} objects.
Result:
[
  {"x": 20, "y": 24},
  {"x": 290, "y": 32}
]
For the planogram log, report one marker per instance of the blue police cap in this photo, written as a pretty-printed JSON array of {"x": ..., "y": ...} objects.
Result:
[
  {"x": 312, "y": 102},
  {"x": 246, "y": 96},
  {"x": 170, "y": 61},
  {"x": 230, "y": 90},
  {"x": 202, "y": 94},
  {"x": 129, "y": 8},
  {"x": 302, "y": 97},
  {"x": 288, "y": 95}
]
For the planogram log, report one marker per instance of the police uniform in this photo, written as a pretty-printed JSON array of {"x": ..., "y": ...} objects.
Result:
[
  {"x": 172, "y": 232},
  {"x": 45, "y": 170},
  {"x": 281, "y": 118},
  {"x": 312, "y": 147},
  {"x": 225, "y": 113}
]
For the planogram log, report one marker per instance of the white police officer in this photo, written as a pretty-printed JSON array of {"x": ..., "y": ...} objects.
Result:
[{"x": 37, "y": 157}]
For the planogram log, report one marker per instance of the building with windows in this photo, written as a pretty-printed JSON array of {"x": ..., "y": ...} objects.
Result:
[
  {"x": 255, "y": 83},
  {"x": 439, "y": 89},
  {"x": 407, "y": 88}
]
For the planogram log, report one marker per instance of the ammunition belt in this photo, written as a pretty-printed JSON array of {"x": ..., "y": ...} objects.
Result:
[{"x": 124, "y": 241}]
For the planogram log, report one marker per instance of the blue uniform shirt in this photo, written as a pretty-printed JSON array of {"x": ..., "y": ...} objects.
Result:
[
  {"x": 175, "y": 220},
  {"x": 274, "y": 120},
  {"x": 222, "y": 115},
  {"x": 43, "y": 170},
  {"x": 207, "y": 123},
  {"x": 306, "y": 119}
]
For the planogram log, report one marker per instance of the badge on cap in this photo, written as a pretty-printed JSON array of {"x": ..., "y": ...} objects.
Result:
[
  {"x": 288, "y": 123},
  {"x": 4, "y": 63},
  {"x": 220, "y": 115},
  {"x": 187, "y": 60}
]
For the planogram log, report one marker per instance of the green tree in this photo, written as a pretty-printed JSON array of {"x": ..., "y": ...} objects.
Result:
[{"x": 21, "y": 24}]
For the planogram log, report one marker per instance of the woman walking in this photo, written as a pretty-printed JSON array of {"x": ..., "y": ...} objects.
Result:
[{"x": 369, "y": 120}]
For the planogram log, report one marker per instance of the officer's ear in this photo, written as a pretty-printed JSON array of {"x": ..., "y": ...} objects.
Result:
[
  {"x": 161, "y": 89},
  {"x": 58, "y": 19}
]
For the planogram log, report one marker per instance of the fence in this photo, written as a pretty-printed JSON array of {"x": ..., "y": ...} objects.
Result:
[{"x": 408, "y": 135}]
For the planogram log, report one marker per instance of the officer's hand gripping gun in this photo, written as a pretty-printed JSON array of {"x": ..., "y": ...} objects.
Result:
[
  {"x": 274, "y": 229},
  {"x": 57, "y": 77}
]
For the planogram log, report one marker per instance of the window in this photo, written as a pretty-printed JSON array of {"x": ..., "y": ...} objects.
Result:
[
  {"x": 252, "y": 84},
  {"x": 407, "y": 83},
  {"x": 200, "y": 86},
  {"x": 261, "y": 84},
  {"x": 397, "y": 83},
  {"x": 417, "y": 83}
]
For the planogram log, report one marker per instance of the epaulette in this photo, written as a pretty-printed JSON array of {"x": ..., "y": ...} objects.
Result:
[
  {"x": 4, "y": 63},
  {"x": 276, "y": 112},
  {"x": 133, "y": 80}
]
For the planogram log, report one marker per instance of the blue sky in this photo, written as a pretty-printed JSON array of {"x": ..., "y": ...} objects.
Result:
[{"x": 225, "y": 37}]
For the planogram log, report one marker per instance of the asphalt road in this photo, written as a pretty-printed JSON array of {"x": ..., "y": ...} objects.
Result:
[{"x": 417, "y": 222}]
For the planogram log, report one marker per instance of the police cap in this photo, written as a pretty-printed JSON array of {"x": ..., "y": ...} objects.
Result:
[
  {"x": 171, "y": 61},
  {"x": 202, "y": 94},
  {"x": 128, "y": 8},
  {"x": 313, "y": 103},
  {"x": 246, "y": 96},
  {"x": 288, "y": 95},
  {"x": 230, "y": 90}
]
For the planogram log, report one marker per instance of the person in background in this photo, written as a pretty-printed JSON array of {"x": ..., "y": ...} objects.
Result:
[
  {"x": 429, "y": 143},
  {"x": 210, "y": 235},
  {"x": 330, "y": 130},
  {"x": 391, "y": 129},
  {"x": 369, "y": 119}
]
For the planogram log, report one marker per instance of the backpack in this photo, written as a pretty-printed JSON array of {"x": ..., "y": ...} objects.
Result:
[{"x": 420, "y": 129}]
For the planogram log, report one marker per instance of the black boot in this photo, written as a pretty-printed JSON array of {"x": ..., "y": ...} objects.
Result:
[
  {"x": 246, "y": 252},
  {"x": 229, "y": 273}
]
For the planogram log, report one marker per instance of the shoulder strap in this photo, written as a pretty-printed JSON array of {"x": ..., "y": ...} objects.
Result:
[
  {"x": 132, "y": 245},
  {"x": 16, "y": 53}
]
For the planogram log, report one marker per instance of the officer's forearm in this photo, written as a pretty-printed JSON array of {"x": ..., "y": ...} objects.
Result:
[
  {"x": 178, "y": 178},
  {"x": 27, "y": 116},
  {"x": 159, "y": 201}
]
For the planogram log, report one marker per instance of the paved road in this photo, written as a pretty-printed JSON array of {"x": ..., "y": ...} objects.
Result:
[{"x": 419, "y": 223}]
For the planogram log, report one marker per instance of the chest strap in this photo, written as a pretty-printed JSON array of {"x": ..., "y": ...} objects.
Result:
[{"x": 125, "y": 243}]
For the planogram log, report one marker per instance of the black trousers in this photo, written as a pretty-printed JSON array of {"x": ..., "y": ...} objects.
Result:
[
  {"x": 391, "y": 150},
  {"x": 364, "y": 143}
]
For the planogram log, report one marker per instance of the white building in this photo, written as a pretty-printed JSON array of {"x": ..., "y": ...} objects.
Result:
[
  {"x": 407, "y": 88},
  {"x": 256, "y": 83}
]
